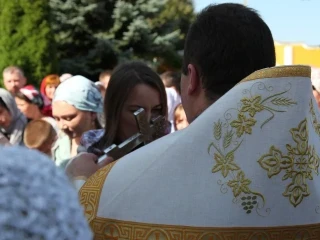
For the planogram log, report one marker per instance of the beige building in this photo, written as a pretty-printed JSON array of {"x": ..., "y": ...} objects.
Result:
[{"x": 297, "y": 53}]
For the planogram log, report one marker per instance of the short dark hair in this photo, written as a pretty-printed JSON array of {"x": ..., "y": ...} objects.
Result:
[
  {"x": 171, "y": 79},
  {"x": 226, "y": 43}
]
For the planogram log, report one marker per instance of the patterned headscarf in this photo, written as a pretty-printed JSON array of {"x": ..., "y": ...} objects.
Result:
[
  {"x": 81, "y": 93},
  {"x": 45, "y": 206},
  {"x": 33, "y": 95}
]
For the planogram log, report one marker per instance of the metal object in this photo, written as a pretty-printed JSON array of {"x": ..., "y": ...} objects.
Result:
[{"x": 148, "y": 132}]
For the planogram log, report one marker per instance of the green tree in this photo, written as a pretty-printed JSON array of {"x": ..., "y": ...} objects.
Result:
[
  {"x": 94, "y": 35},
  {"x": 177, "y": 14},
  {"x": 134, "y": 34},
  {"x": 152, "y": 30},
  {"x": 26, "y": 38},
  {"x": 76, "y": 23}
]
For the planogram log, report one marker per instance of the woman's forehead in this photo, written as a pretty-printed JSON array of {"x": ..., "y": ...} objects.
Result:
[
  {"x": 142, "y": 92},
  {"x": 63, "y": 108},
  {"x": 19, "y": 100},
  {"x": 2, "y": 108}
]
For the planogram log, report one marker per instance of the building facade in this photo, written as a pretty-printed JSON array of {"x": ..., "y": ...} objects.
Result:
[{"x": 297, "y": 53}]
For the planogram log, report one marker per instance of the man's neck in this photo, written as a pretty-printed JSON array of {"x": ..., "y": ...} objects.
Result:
[{"x": 201, "y": 109}]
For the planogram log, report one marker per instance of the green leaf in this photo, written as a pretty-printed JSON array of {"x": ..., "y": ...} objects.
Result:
[
  {"x": 282, "y": 101},
  {"x": 217, "y": 130},
  {"x": 227, "y": 139}
]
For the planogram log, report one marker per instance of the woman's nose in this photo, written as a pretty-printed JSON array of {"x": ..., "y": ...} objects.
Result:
[
  {"x": 149, "y": 116},
  {"x": 62, "y": 125}
]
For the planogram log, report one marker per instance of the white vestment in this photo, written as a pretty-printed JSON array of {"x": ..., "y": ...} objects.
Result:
[{"x": 246, "y": 169}]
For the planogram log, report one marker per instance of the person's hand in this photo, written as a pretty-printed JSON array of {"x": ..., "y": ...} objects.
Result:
[{"x": 84, "y": 165}]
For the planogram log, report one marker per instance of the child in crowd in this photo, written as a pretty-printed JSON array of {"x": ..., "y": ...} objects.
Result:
[
  {"x": 180, "y": 118},
  {"x": 40, "y": 135}
]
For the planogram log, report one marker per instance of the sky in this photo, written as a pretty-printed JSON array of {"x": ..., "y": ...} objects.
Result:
[{"x": 296, "y": 21}]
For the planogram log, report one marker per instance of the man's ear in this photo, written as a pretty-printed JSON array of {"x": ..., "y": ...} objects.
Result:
[{"x": 194, "y": 82}]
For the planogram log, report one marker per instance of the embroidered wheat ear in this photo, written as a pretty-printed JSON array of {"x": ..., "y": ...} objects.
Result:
[
  {"x": 282, "y": 101},
  {"x": 217, "y": 130}
]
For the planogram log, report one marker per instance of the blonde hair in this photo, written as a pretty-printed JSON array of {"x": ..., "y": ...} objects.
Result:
[
  {"x": 177, "y": 112},
  {"x": 104, "y": 74},
  {"x": 38, "y": 133}
]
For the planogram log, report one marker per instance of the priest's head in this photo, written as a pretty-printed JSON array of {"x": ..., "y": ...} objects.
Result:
[{"x": 226, "y": 43}]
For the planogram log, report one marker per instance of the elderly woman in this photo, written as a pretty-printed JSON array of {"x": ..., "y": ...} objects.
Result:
[
  {"x": 75, "y": 106},
  {"x": 37, "y": 201},
  {"x": 12, "y": 121}
]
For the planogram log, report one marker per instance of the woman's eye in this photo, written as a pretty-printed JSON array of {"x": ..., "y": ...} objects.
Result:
[
  {"x": 156, "y": 112},
  {"x": 69, "y": 118}
]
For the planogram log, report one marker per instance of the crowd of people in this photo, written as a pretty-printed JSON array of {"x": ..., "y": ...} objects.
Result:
[
  {"x": 66, "y": 109},
  {"x": 247, "y": 166}
]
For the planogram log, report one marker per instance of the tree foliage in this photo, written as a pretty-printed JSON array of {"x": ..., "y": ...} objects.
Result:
[
  {"x": 94, "y": 35},
  {"x": 26, "y": 38},
  {"x": 76, "y": 24},
  {"x": 152, "y": 30}
]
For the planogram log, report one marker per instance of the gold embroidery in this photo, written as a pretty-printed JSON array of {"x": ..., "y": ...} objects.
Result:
[
  {"x": 232, "y": 133},
  {"x": 252, "y": 106},
  {"x": 299, "y": 164},
  {"x": 243, "y": 124},
  {"x": 280, "y": 72},
  {"x": 124, "y": 230},
  {"x": 90, "y": 192},
  {"x": 315, "y": 122}
]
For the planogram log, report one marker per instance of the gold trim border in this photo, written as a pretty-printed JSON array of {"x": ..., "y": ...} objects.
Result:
[
  {"x": 280, "y": 72},
  {"x": 104, "y": 229},
  {"x": 90, "y": 192}
]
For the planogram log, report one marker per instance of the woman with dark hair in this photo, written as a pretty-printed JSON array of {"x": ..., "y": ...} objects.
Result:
[
  {"x": 132, "y": 86},
  {"x": 31, "y": 103},
  {"x": 12, "y": 121}
]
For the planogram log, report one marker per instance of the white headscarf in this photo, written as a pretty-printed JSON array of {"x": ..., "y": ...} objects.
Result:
[
  {"x": 18, "y": 122},
  {"x": 65, "y": 76},
  {"x": 81, "y": 93},
  {"x": 37, "y": 201}
]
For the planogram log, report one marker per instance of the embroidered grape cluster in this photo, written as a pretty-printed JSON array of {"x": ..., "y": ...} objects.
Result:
[{"x": 249, "y": 203}]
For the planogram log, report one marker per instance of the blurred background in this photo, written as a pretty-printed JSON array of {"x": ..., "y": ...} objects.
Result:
[{"x": 87, "y": 37}]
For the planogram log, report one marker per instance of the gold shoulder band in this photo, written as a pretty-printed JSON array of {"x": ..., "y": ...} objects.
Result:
[{"x": 280, "y": 72}]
